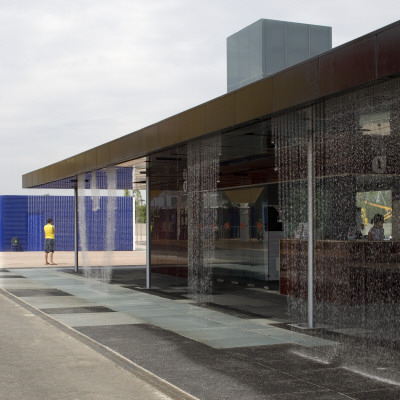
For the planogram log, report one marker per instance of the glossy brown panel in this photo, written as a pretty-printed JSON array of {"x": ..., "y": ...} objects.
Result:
[
  {"x": 80, "y": 163},
  {"x": 62, "y": 169},
  {"x": 71, "y": 166},
  {"x": 50, "y": 173},
  {"x": 27, "y": 180},
  {"x": 221, "y": 113},
  {"x": 42, "y": 176},
  {"x": 193, "y": 123},
  {"x": 35, "y": 180},
  {"x": 102, "y": 155},
  {"x": 296, "y": 85},
  {"x": 254, "y": 101},
  {"x": 169, "y": 131},
  {"x": 354, "y": 261},
  {"x": 90, "y": 161},
  {"x": 131, "y": 145},
  {"x": 389, "y": 52},
  {"x": 254, "y": 172},
  {"x": 148, "y": 141},
  {"x": 116, "y": 151},
  {"x": 31, "y": 179},
  {"x": 349, "y": 66}
]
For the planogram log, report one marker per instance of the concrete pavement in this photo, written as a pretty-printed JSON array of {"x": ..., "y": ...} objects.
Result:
[
  {"x": 35, "y": 259},
  {"x": 42, "y": 361}
]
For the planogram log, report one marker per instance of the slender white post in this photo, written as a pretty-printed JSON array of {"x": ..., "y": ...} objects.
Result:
[
  {"x": 133, "y": 209},
  {"x": 76, "y": 226},
  {"x": 310, "y": 201},
  {"x": 148, "y": 233},
  {"x": 134, "y": 223}
]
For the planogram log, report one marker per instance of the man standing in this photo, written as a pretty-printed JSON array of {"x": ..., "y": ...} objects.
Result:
[{"x": 49, "y": 231}]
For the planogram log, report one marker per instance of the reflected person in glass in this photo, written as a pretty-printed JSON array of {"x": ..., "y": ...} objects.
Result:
[{"x": 377, "y": 232}]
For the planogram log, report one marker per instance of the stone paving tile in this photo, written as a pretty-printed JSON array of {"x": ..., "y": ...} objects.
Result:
[
  {"x": 76, "y": 310},
  {"x": 96, "y": 319},
  {"x": 211, "y": 334},
  {"x": 31, "y": 292},
  {"x": 341, "y": 380},
  {"x": 244, "y": 341},
  {"x": 57, "y": 301},
  {"x": 181, "y": 322},
  {"x": 147, "y": 312},
  {"x": 317, "y": 395},
  {"x": 16, "y": 283},
  {"x": 293, "y": 337},
  {"x": 380, "y": 394}
]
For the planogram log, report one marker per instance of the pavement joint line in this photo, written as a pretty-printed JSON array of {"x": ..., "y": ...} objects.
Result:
[{"x": 159, "y": 383}]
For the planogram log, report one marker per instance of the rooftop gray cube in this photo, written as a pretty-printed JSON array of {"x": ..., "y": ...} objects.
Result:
[{"x": 268, "y": 46}]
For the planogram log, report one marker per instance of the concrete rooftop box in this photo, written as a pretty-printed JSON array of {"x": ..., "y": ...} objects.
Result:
[{"x": 268, "y": 46}]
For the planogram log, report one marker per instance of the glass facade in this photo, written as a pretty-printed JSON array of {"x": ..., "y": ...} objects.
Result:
[
  {"x": 259, "y": 202},
  {"x": 245, "y": 224},
  {"x": 338, "y": 156},
  {"x": 352, "y": 142}
]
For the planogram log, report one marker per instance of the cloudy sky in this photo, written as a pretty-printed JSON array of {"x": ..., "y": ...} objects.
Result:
[{"x": 78, "y": 73}]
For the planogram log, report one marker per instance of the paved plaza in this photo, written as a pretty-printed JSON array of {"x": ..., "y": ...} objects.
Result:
[{"x": 166, "y": 343}]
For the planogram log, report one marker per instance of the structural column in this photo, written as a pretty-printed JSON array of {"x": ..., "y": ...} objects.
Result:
[
  {"x": 76, "y": 226},
  {"x": 148, "y": 232},
  {"x": 311, "y": 209}
]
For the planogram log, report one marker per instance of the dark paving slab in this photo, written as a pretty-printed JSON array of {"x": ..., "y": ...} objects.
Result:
[
  {"x": 241, "y": 313},
  {"x": 342, "y": 380},
  {"x": 319, "y": 395},
  {"x": 12, "y": 276},
  {"x": 75, "y": 310},
  {"x": 161, "y": 293},
  {"x": 384, "y": 394},
  {"x": 37, "y": 292},
  {"x": 264, "y": 372}
]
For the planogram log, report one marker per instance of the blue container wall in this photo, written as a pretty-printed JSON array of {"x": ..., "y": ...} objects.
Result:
[
  {"x": 124, "y": 223},
  {"x": 61, "y": 210},
  {"x": 96, "y": 224},
  {"x": 25, "y": 216},
  {"x": 14, "y": 211},
  {"x": 1, "y": 223}
]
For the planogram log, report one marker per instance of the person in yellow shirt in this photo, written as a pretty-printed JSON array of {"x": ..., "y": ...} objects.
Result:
[{"x": 49, "y": 232}]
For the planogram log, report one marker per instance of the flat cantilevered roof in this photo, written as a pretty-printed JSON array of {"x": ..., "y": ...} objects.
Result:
[{"x": 362, "y": 61}]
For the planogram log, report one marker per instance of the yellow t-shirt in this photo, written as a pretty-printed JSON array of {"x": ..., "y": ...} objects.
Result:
[{"x": 49, "y": 231}]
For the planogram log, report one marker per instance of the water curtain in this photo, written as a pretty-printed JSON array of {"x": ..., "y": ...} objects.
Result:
[{"x": 202, "y": 180}]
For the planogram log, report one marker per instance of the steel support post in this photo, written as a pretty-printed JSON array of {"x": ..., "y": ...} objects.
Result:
[
  {"x": 76, "y": 227},
  {"x": 148, "y": 233},
  {"x": 310, "y": 201}
]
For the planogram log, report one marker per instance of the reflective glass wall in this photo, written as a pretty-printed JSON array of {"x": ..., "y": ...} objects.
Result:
[
  {"x": 346, "y": 149},
  {"x": 249, "y": 229},
  {"x": 245, "y": 228}
]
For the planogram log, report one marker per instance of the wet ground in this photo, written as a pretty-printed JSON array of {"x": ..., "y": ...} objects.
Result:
[{"x": 241, "y": 347}]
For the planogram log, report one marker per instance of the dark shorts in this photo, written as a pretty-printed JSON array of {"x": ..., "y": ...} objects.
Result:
[{"x": 49, "y": 246}]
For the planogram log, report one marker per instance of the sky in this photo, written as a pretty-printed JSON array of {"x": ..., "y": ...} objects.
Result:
[{"x": 78, "y": 73}]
